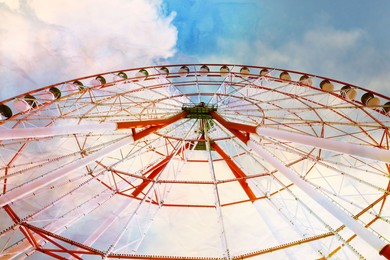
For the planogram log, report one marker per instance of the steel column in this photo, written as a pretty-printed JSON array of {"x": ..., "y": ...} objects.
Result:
[
  {"x": 38, "y": 132},
  {"x": 217, "y": 199},
  {"x": 234, "y": 128},
  {"x": 162, "y": 123},
  {"x": 28, "y": 188},
  {"x": 341, "y": 215},
  {"x": 341, "y": 147},
  {"x": 327, "y": 144},
  {"x": 238, "y": 173}
]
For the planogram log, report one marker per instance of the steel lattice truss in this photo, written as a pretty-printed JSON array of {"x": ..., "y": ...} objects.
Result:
[{"x": 195, "y": 162}]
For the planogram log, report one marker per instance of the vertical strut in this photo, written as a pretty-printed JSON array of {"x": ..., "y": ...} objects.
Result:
[
  {"x": 266, "y": 216},
  {"x": 133, "y": 217},
  {"x": 217, "y": 198},
  {"x": 374, "y": 153},
  {"x": 349, "y": 222},
  {"x": 28, "y": 188},
  {"x": 38, "y": 132},
  {"x": 331, "y": 145},
  {"x": 107, "y": 223},
  {"x": 238, "y": 173}
]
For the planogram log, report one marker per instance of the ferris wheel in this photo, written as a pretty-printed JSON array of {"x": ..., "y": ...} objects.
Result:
[{"x": 196, "y": 161}]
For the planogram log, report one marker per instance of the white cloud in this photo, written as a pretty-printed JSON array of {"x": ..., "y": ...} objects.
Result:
[
  {"x": 346, "y": 55},
  {"x": 45, "y": 42}
]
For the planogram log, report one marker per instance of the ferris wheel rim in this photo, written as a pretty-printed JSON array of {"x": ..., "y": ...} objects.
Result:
[{"x": 268, "y": 142}]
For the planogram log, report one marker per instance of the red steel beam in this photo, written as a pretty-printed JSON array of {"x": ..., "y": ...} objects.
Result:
[
  {"x": 235, "y": 128},
  {"x": 63, "y": 239},
  {"x": 8, "y": 164},
  {"x": 64, "y": 249},
  {"x": 385, "y": 251},
  {"x": 348, "y": 240},
  {"x": 156, "y": 170},
  {"x": 48, "y": 252},
  {"x": 54, "y": 250},
  {"x": 26, "y": 232},
  {"x": 238, "y": 173},
  {"x": 385, "y": 194},
  {"x": 154, "y": 125},
  {"x": 143, "y": 123}
]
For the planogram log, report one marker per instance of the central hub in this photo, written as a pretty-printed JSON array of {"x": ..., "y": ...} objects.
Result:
[{"x": 199, "y": 111}]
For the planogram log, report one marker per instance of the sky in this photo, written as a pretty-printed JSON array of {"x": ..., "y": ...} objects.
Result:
[{"x": 45, "y": 42}]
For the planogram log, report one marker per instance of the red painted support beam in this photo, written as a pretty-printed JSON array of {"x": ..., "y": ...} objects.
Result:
[
  {"x": 63, "y": 239},
  {"x": 385, "y": 251},
  {"x": 26, "y": 232},
  {"x": 235, "y": 128},
  {"x": 154, "y": 125},
  {"x": 48, "y": 252},
  {"x": 64, "y": 249},
  {"x": 238, "y": 173},
  {"x": 156, "y": 170},
  {"x": 143, "y": 123}
]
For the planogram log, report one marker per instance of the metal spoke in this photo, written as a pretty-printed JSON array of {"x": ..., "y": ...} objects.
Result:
[{"x": 160, "y": 162}]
